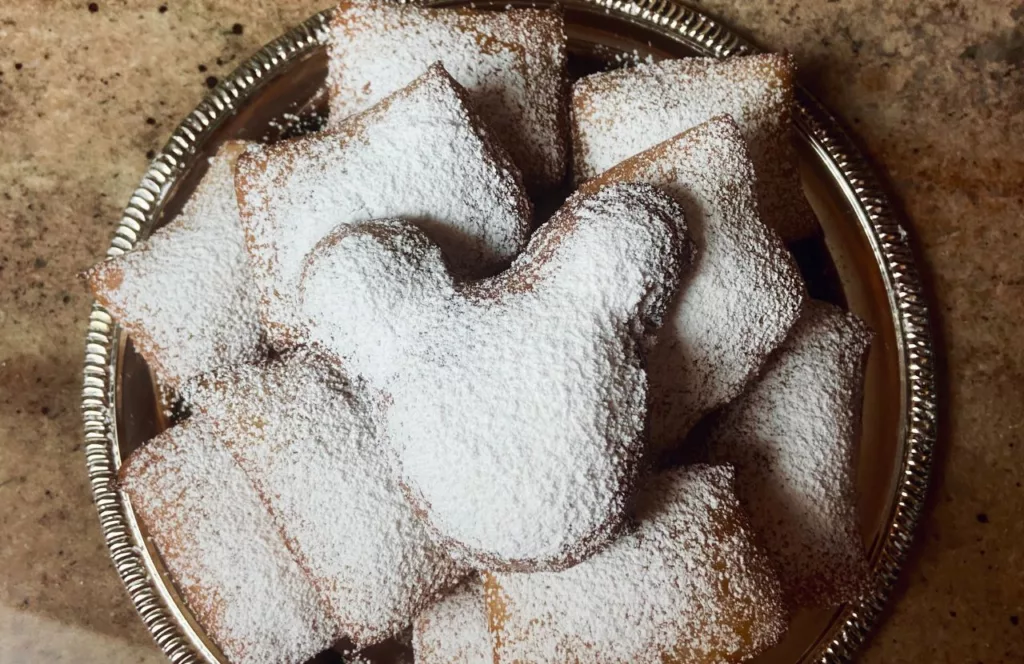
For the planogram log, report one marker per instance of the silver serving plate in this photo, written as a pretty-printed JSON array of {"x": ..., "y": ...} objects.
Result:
[{"x": 863, "y": 261}]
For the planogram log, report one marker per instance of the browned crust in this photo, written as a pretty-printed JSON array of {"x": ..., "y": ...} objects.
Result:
[{"x": 497, "y": 611}]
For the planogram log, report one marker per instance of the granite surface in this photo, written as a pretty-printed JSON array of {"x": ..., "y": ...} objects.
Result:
[{"x": 933, "y": 88}]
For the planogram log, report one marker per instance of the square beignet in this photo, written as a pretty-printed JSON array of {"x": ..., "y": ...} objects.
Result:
[
  {"x": 309, "y": 442},
  {"x": 620, "y": 113},
  {"x": 223, "y": 549},
  {"x": 512, "y": 63},
  {"x": 793, "y": 438},
  {"x": 185, "y": 295},
  {"x": 687, "y": 585}
]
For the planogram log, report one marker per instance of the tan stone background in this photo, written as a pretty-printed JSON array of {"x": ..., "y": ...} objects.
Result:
[{"x": 934, "y": 88}]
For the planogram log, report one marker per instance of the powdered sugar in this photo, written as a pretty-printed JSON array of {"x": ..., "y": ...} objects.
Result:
[
  {"x": 686, "y": 585},
  {"x": 512, "y": 63},
  {"x": 223, "y": 549},
  {"x": 419, "y": 155},
  {"x": 499, "y": 420},
  {"x": 620, "y": 113},
  {"x": 185, "y": 295},
  {"x": 634, "y": 58},
  {"x": 311, "y": 448},
  {"x": 792, "y": 439},
  {"x": 397, "y": 650},
  {"x": 454, "y": 630},
  {"x": 517, "y": 403},
  {"x": 743, "y": 293}
]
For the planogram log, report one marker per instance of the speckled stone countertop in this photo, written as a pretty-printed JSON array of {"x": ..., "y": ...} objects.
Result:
[{"x": 934, "y": 89}]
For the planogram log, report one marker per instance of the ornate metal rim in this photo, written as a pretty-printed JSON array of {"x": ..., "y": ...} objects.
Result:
[{"x": 860, "y": 185}]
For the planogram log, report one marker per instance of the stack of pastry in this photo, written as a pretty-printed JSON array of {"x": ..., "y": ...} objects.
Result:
[{"x": 412, "y": 403}]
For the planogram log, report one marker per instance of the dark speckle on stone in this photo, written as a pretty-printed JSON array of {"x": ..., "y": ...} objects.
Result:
[
  {"x": 162, "y": 9},
  {"x": 1014, "y": 620},
  {"x": 202, "y": 68},
  {"x": 982, "y": 517},
  {"x": 18, "y": 66},
  {"x": 66, "y": 298},
  {"x": 150, "y": 154},
  {"x": 211, "y": 81},
  {"x": 40, "y": 262},
  {"x": 151, "y": 121},
  {"x": 93, "y": 7},
  {"x": 45, "y": 410},
  {"x": 952, "y": 614},
  {"x": 1003, "y": 46},
  {"x": 238, "y": 28}
]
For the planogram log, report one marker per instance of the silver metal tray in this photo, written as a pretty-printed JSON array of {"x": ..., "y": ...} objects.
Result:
[{"x": 863, "y": 260}]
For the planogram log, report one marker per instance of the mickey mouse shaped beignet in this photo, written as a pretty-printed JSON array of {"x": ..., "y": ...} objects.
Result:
[{"x": 516, "y": 404}]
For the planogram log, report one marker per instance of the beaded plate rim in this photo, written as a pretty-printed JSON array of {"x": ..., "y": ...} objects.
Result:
[{"x": 861, "y": 186}]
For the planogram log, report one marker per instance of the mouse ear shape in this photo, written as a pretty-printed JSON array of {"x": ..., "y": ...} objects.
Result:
[
  {"x": 371, "y": 277},
  {"x": 618, "y": 250}
]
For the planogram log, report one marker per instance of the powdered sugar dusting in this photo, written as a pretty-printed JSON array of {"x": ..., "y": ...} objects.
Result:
[
  {"x": 743, "y": 293},
  {"x": 512, "y": 63},
  {"x": 686, "y": 585},
  {"x": 792, "y": 438},
  {"x": 222, "y": 548},
  {"x": 418, "y": 155},
  {"x": 185, "y": 295},
  {"x": 311, "y": 448},
  {"x": 455, "y": 630},
  {"x": 620, "y": 113},
  {"x": 630, "y": 58},
  {"x": 517, "y": 403}
]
